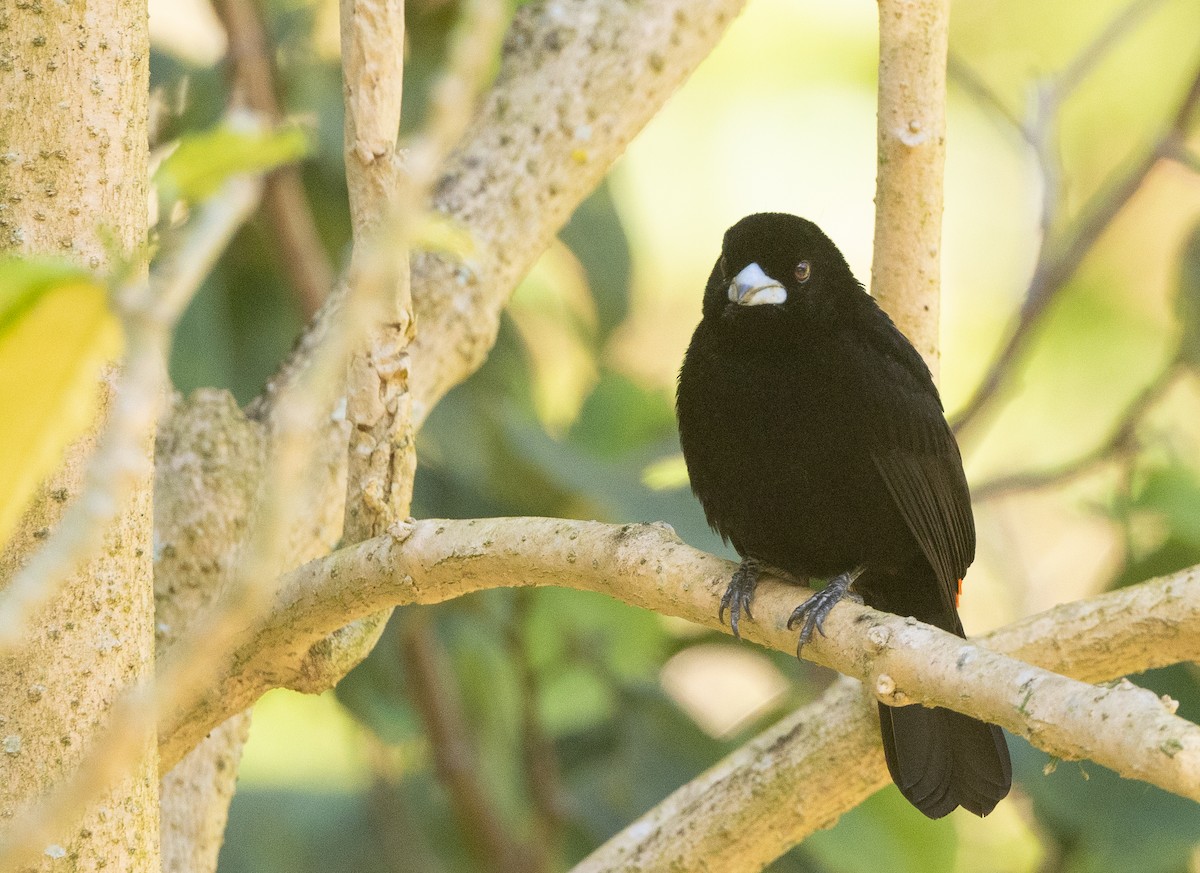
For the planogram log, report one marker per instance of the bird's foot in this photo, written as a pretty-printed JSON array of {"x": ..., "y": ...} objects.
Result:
[
  {"x": 739, "y": 595},
  {"x": 813, "y": 611}
]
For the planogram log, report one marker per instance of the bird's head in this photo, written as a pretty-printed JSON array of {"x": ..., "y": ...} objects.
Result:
[{"x": 777, "y": 268}]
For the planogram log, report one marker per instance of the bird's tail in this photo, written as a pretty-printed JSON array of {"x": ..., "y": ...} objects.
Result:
[{"x": 938, "y": 758}]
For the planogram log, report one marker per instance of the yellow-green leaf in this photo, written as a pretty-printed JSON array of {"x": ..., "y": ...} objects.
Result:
[
  {"x": 203, "y": 161},
  {"x": 56, "y": 331},
  {"x": 435, "y": 232}
]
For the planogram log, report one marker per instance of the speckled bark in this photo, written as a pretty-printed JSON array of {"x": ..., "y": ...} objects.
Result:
[
  {"x": 209, "y": 461},
  {"x": 73, "y": 92},
  {"x": 906, "y": 267}
]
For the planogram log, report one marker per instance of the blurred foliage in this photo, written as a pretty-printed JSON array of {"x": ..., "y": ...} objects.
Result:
[
  {"x": 205, "y": 159},
  {"x": 572, "y": 415},
  {"x": 56, "y": 332}
]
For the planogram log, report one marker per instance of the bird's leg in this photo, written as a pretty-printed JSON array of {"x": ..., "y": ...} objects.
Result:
[
  {"x": 739, "y": 594},
  {"x": 814, "y": 610}
]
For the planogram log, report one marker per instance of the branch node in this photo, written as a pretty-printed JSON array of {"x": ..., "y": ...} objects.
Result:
[
  {"x": 885, "y": 688},
  {"x": 401, "y": 530},
  {"x": 879, "y": 637}
]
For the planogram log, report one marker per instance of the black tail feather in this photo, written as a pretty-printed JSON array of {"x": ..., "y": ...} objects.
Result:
[
  {"x": 941, "y": 759},
  {"x": 938, "y": 758}
]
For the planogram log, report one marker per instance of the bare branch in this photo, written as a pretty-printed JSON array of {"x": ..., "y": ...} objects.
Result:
[
  {"x": 645, "y": 565},
  {"x": 1060, "y": 258},
  {"x": 796, "y": 777},
  {"x": 906, "y": 267},
  {"x": 576, "y": 84},
  {"x": 802, "y": 774},
  {"x": 602, "y": 70}
]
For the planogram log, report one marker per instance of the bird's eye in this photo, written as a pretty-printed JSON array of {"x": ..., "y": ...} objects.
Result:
[{"x": 803, "y": 271}]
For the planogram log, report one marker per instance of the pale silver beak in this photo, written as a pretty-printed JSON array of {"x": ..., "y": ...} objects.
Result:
[{"x": 753, "y": 287}]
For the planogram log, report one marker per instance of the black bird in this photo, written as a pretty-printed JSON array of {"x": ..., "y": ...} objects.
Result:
[{"x": 816, "y": 442}]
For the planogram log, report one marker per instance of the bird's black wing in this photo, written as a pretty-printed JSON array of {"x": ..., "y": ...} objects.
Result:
[{"x": 917, "y": 457}]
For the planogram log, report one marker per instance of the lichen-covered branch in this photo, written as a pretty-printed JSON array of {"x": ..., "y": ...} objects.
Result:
[
  {"x": 911, "y": 136},
  {"x": 645, "y": 565}
]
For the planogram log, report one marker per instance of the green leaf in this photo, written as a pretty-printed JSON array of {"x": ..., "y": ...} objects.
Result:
[
  {"x": 887, "y": 833},
  {"x": 23, "y": 281},
  {"x": 203, "y": 161},
  {"x": 56, "y": 332},
  {"x": 597, "y": 237}
]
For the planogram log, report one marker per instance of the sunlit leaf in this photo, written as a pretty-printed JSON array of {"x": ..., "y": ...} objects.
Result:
[
  {"x": 886, "y": 831},
  {"x": 665, "y": 474},
  {"x": 435, "y": 232},
  {"x": 203, "y": 161},
  {"x": 56, "y": 331}
]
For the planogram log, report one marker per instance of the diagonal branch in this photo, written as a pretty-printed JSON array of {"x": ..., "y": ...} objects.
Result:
[
  {"x": 576, "y": 83},
  {"x": 1060, "y": 258}
]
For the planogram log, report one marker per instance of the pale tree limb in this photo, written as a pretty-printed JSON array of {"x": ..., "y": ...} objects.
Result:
[
  {"x": 911, "y": 133},
  {"x": 647, "y": 566},
  {"x": 148, "y": 310},
  {"x": 577, "y": 82},
  {"x": 208, "y": 467},
  {"x": 818, "y": 763},
  {"x": 151, "y": 308},
  {"x": 380, "y": 476},
  {"x": 386, "y": 206}
]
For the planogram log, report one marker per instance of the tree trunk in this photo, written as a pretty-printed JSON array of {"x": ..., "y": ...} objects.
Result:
[{"x": 73, "y": 182}]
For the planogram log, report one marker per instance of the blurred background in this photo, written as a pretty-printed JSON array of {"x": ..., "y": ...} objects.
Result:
[{"x": 518, "y": 730}]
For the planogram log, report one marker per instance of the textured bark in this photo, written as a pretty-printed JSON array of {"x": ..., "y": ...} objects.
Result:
[
  {"x": 576, "y": 84},
  {"x": 209, "y": 463},
  {"x": 906, "y": 268},
  {"x": 73, "y": 94},
  {"x": 903, "y": 661}
]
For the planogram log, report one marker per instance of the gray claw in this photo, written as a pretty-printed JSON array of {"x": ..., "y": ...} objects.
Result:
[
  {"x": 739, "y": 595},
  {"x": 816, "y": 609}
]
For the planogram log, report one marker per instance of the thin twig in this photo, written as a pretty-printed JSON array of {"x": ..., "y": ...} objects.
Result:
[
  {"x": 289, "y": 213},
  {"x": 434, "y": 694},
  {"x": 1059, "y": 259},
  {"x": 542, "y": 776},
  {"x": 1121, "y": 442}
]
